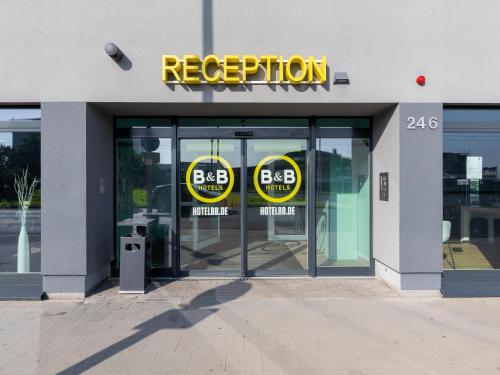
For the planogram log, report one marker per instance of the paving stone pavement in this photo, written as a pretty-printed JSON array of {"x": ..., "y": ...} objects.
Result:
[{"x": 252, "y": 327}]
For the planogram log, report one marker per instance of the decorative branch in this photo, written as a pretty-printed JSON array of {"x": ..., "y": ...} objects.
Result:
[{"x": 25, "y": 192}]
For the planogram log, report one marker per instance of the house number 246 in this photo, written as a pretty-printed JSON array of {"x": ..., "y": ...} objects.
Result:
[{"x": 422, "y": 122}]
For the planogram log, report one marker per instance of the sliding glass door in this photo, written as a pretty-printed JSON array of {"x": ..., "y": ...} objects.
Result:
[
  {"x": 210, "y": 203},
  {"x": 243, "y": 201},
  {"x": 277, "y": 206}
]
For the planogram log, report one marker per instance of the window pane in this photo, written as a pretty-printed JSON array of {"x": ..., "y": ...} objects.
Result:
[
  {"x": 195, "y": 122},
  {"x": 143, "y": 192},
  {"x": 210, "y": 196},
  {"x": 19, "y": 114},
  {"x": 342, "y": 202},
  {"x": 143, "y": 122},
  {"x": 360, "y": 123},
  {"x": 19, "y": 151},
  {"x": 471, "y": 212},
  {"x": 277, "y": 206},
  {"x": 471, "y": 117}
]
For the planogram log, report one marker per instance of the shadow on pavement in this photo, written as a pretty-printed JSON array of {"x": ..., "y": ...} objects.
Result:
[{"x": 204, "y": 304}]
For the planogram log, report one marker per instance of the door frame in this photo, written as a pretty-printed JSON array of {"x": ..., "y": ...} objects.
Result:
[{"x": 243, "y": 134}]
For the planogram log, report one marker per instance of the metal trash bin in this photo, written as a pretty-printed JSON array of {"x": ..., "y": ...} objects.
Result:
[{"x": 135, "y": 263}]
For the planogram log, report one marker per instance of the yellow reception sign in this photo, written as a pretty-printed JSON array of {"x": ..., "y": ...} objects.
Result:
[{"x": 246, "y": 69}]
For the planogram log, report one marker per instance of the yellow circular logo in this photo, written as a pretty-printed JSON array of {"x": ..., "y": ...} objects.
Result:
[
  {"x": 298, "y": 178},
  {"x": 230, "y": 178}
]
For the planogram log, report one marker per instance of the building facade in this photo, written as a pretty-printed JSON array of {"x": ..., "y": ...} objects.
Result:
[{"x": 282, "y": 138}]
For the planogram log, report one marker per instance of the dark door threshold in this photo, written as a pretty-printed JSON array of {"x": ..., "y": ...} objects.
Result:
[{"x": 21, "y": 286}]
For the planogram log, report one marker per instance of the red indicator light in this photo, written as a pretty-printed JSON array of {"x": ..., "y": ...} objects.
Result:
[{"x": 420, "y": 80}]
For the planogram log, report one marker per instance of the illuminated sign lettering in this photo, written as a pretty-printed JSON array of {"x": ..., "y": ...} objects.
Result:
[{"x": 241, "y": 70}]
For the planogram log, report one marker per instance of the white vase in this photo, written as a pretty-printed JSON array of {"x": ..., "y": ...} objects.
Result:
[{"x": 23, "y": 251}]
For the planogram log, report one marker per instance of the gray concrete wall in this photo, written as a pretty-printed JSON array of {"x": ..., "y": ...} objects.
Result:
[
  {"x": 52, "y": 50},
  {"x": 385, "y": 215},
  {"x": 99, "y": 162},
  {"x": 64, "y": 191},
  {"x": 421, "y": 190},
  {"x": 407, "y": 229},
  {"x": 77, "y": 218}
]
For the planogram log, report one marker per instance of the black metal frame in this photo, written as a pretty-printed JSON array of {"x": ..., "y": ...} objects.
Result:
[
  {"x": 243, "y": 209},
  {"x": 311, "y": 197},
  {"x": 311, "y": 133}
]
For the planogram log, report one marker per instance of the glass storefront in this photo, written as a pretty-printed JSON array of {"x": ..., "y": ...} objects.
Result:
[
  {"x": 471, "y": 189},
  {"x": 240, "y": 193},
  {"x": 20, "y": 217}
]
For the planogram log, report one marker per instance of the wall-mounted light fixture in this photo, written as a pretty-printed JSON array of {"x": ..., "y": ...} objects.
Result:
[
  {"x": 341, "y": 78},
  {"x": 113, "y": 51}
]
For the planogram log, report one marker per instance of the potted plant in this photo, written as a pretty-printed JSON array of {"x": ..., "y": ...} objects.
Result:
[{"x": 24, "y": 190}]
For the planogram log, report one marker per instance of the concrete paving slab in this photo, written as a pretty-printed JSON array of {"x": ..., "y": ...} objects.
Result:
[{"x": 252, "y": 327}]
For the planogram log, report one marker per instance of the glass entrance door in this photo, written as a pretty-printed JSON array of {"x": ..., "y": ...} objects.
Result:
[
  {"x": 243, "y": 206},
  {"x": 210, "y": 206},
  {"x": 277, "y": 206}
]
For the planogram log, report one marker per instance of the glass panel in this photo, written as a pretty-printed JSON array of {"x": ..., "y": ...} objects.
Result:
[
  {"x": 277, "y": 208},
  {"x": 324, "y": 122},
  {"x": 143, "y": 122},
  {"x": 342, "y": 202},
  {"x": 471, "y": 212},
  {"x": 472, "y": 117},
  {"x": 19, "y": 248},
  {"x": 210, "y": 204},
  {"x": 20, "y": 114},
  {"x": 244, "y": 122},
  {"x": 143, "y": 192}
]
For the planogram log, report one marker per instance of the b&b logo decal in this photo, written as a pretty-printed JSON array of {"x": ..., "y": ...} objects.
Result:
[
  {"x": 221, "y": 180},
  {"x": 281, "y": 180}
]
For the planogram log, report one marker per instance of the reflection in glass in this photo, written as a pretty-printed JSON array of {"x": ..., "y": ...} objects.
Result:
[
  {"x": 18, "y": 151},
  {"x": 210, "y": 206},
  {"x": 342, "y": 202},
  {"x": 143, "y": 192},
  {"x": 471, "y": 200},
  {"x": 277, "y": 235}
]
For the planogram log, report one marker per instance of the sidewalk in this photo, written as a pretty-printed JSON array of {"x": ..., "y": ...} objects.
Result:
[{"x": 291, "y": 326}]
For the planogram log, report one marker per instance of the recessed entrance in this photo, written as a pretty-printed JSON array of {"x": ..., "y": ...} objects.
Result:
[{"x": 252, "y": 197}]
